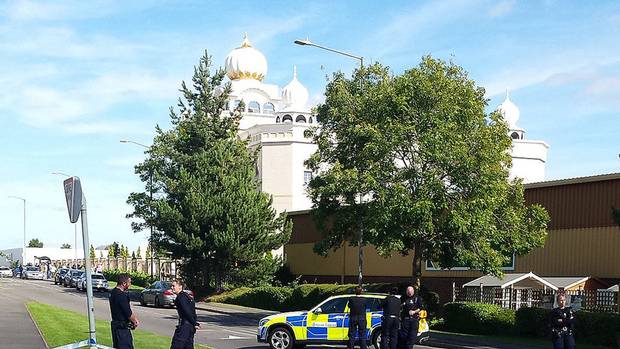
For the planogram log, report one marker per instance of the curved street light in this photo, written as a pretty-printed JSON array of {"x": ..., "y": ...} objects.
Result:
[{"x": 307, "y": 42}]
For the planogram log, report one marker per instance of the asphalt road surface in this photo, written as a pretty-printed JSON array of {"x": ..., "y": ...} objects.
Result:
[{"x": 218, "y": 331}]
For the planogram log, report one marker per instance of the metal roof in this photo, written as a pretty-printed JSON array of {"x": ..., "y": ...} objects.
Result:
[
  {"x": 574, "y": 180},
  {"x": 507, "y": 280},
  {"x": 566, "y": 282}
]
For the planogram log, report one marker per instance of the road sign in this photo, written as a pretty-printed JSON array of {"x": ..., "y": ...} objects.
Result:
[{"x": 73, "y": 195}]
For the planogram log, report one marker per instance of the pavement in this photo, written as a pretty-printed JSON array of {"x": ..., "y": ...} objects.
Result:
[{"x": 16, "y": 320}]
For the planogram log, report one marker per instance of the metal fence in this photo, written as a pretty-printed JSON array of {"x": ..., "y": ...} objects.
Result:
[{"x": 591, "y": 300}]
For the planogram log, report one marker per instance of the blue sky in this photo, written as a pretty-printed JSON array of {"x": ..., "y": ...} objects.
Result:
[{"x": 76, "y": 77}]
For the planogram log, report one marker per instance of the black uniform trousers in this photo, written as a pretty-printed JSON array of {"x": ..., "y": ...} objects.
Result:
[
  {"x": 410, "y": 325},
  {"x": 389, "y": 332},
  {"x": 564, "y": 341},
  {"x": 183, "y": 337},
  {"x": 357, "y": 323},
  {"x": 121, "y": 337}
]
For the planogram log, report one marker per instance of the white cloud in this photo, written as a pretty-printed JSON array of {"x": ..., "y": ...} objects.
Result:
[
  {"x": 27, "y": 10},
  {"x": 502, "y": 8}
]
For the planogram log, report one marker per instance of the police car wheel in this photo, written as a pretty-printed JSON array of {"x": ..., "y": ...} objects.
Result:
[
  {"x": 376, "y": 338},
  {"x": 280, "y": 338}
]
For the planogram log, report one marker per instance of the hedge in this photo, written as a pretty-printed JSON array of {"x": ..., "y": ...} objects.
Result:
[
  {"x": 301, "y": 297},
  {"x": 590, "y": 327},
  {"x": 137, "y": 278},
  {"x": 478, "y": 318}
]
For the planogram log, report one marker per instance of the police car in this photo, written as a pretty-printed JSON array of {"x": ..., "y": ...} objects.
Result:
[{"x": 326, "y": 323}]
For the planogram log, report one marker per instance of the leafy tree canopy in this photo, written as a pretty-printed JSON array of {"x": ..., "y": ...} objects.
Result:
[{"x": 415, "y": 162}]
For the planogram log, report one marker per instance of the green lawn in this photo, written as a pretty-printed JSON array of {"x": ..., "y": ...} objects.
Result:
[
  {"x": 60, "y": 327},
  {"x": 515, "y": 340},
  {"x": 112, "y": 284}
]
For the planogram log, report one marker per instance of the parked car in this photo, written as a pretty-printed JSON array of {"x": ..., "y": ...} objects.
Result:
[
  {"x": 6, "y": 272},
  {"x": 30, "y": 272},
  {"x": 59, "y": 275},
  {"x": 159, "y": 294},
  {"x": 326, "y": 323},
  {"x": 71, "y": 278},
  {"x": 99, "y": 282}
]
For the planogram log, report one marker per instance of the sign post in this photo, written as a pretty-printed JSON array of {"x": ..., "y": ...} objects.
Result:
[{"x": 76, "y": 206}]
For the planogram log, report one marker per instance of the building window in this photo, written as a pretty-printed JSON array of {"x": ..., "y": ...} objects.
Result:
[
  {"x": 307, "y": 177},
  {"x": 287, "y": 118},
  {"x": 310, "y": 120},
  {"x": 300, "y": 118},
  {"x": 268, "y": 108},
  {"x": 235, "y": 104},
  {"x": 253, "y": 107},
  {"x": 514, "y": 135},
  {"x": 277, "y": 119},
  {"x": 434, "y": 266}
]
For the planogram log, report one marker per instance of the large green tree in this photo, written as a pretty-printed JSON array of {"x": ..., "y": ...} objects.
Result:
[
  {"x": 207, "y": 209},
  {"x": 415, "y": 162}
]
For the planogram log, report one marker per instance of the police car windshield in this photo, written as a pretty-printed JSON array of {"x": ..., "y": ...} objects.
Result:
[{"x": 32, "y": 269}]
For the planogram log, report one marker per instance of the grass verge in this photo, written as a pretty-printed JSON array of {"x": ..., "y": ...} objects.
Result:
[
  {"x": 515, "y": 340},
  {"x": 59, "y": 327}
]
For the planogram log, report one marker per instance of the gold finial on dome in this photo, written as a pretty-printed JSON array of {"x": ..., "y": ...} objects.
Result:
[{"x": 246, "y": 41}]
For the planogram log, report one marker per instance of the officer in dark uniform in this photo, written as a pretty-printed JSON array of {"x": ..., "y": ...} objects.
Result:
[
  {"x": 412, "y": 305},
  {"x": 562, "y": 322},
  {"x": 357, "y": 319},
  {"x": 123, "y": 319},
  {"x": 389, "y": 325},
  {"x": 188, "y": 322}
]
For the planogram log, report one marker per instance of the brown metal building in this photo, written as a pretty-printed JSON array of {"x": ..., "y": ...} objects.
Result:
[{"x": 583, "y": 240}]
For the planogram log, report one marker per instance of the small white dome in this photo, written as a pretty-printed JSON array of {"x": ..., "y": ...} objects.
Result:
[
  {"x": 246, "y": 62},
  {"x": 510, "y": 112},
  {"x": 295, "y": 94}
]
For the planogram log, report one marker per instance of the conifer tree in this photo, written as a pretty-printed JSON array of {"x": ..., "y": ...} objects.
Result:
[{"x": 208, "y": 209}]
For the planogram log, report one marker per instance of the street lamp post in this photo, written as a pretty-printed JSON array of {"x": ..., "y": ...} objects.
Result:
[
  {"x": 361, "y": 230},
  {"x": 74, "y": 228},
  {"x": 24, "y": 249},
  {"x": 150, "y": 202}
]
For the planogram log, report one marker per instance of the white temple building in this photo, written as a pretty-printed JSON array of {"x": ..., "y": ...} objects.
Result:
[
  {"x": 275, "y": 119},
  {"x": 529, "y": 157}
]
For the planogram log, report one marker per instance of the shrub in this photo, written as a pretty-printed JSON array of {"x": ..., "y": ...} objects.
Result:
[
  {"x": 137, "y": 278},
  {"x": 532, "y": 322},
  {"x": 597, "y": 328},
  {"x": 478, "y": 318},
  {"x": 266, "y": 297}
]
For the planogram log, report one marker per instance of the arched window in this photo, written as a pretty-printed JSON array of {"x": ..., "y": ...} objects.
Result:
[
  {"x": 235, "y": 104},
  {"x": 268, "y": 108},
  {"x": 310, "y": 120},
  {"x": 514, "y": 135},
  {"x": 300, "y": 118},
  {"x": 253, "y": 107},
  {"x": 287, "y": 118},
  {"x": 277, "y": 119}
]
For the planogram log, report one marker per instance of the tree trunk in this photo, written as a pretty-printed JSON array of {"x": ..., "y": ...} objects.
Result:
[{"x": 416, "y": 265}]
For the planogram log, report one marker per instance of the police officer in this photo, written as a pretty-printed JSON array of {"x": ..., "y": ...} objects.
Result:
[
  {"x": 412, "y": 305},
  {"x": 188, "y": 323},
  {"x": 562, "y": 321},
  {"x": 357, "y": 319},
  {"x": 389, "y": 325},
  {"x": 123, "y": 319}
]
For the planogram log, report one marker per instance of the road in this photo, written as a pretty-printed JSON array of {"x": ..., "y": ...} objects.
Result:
[{"x": 218, "y": 331}]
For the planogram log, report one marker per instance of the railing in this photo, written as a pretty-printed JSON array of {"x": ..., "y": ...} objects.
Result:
[{"x": 590, "y": 300}]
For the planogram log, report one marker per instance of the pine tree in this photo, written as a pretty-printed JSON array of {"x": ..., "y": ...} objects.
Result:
[
  {"x": 111, "y": 252},
  {"x": 148, "y": 252},
  {"x": 208, "y": 208},
  {"x": 138, "y": 253},
  {"x": 92, "y": 252}
]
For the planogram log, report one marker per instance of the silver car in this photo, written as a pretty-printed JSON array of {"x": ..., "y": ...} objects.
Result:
[
  {"x": 159, "y": 294},
  {"x": 6, "y": 272},
  {"x": 32, "y": 273},
  {"x": 99, "y": 282}
]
